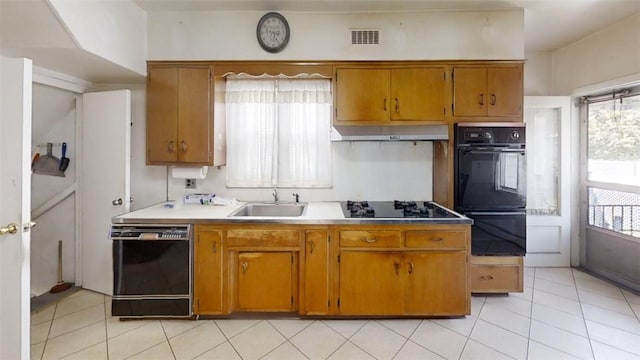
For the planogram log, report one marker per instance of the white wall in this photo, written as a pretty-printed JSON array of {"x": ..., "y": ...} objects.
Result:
[
  {"x": 54, "y": 115},
  {"x": 361, "y": 171},
  {"x": 608, "y": 56},
  {"x": 537, "y": 74},
  {"x": 113, "y": 30},
  {"x": 325, "y": 36}
]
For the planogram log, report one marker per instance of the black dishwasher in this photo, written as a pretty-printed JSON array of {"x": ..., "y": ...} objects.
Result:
[{"x": 152, "y": 270}]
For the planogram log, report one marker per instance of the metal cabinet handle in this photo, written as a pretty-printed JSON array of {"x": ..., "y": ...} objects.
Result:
[
  {"x": 183, "y": 146},
  {"x": 171, "y": 146},
  {"x": 481, "y": 99},
  {"x": 312, "y": 246},
  {"x": 9, "y": 229},
  {"x": 397, "y": 105},
  {"x": 493, "y": 99},
  {"x": 245, "y": 265},
  {"x": 396, "y": 267},
  {"x": 385, "y": 104},
  {"x": 117, "y": 202},
  {"x": 411, "y": 267},
  {"x": 437, "y": 239},
  {"x": 486, "y": 277},
  {"x": 370, "y": 240},
  {"x": 214, "y": 247}
]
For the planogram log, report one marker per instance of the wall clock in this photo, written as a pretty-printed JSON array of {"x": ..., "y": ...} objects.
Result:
[{"x": 273, "y": 32}]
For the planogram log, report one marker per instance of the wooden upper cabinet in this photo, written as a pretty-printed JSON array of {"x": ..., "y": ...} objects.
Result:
[
  {"x": 385, "y": 95},
  {"x": 362, "y": 95},
  {"x": 179, "y": 116},
  {"x": 418, "y": 94},
  {"x": 488, "y": 92}
]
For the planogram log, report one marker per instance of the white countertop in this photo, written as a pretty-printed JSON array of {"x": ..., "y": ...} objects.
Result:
[
  {"x": 170, "y": 210},
  {"x": 317, "y": 212}
]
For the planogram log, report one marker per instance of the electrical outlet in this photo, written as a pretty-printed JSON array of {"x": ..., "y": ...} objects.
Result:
[{"x": 189, "y": 183}]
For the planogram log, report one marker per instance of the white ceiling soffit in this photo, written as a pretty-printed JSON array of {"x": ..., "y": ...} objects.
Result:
[
  {"x": 549, "y": 24},
  {"x": 31, "y": 29}
]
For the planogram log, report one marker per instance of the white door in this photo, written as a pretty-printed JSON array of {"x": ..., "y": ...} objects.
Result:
[
  {"x": 104, "y": 181},
  {"x": 15, "y": 208},
  {"x": 547, "y": 121}
]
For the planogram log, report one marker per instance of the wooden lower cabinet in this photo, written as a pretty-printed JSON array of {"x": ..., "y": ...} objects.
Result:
[
  {"x": 380, "y": 270},
  {"x": 496, "y": 274},
  {"x": 316, "y": 273},
  {"x": 436, "y": 283},
  {"x": 266, "y": 281},
  {"x": 404, "y": 271},
  {"x": 208, "y": 271},
  {"x": 370, "y": 283}
]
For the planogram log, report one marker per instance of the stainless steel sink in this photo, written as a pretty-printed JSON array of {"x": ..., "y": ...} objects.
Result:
[{"x": 281, "y": 209}]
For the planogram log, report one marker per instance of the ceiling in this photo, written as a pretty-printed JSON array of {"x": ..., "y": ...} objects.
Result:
[{"x": 549, "y": 24}]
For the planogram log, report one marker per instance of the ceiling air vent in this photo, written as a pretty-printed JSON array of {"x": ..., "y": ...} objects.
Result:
[{"x": 365, "y": 36}]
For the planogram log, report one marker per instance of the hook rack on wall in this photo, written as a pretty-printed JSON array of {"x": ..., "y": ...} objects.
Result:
[{"x": 58, "y": 144}]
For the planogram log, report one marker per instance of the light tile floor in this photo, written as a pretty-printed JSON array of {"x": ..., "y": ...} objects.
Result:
[{"x": 562, "y": 314}]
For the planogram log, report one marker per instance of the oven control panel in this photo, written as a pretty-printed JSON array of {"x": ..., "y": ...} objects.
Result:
[
  {"x": 150, "y": 232},
  {"x": 469, "y": 135}
]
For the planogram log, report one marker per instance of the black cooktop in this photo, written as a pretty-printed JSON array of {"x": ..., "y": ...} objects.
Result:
[{"x": 394, "y": 209}]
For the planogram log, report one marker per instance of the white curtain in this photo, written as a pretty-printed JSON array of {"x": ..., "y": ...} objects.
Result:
[{"x": 278, "y": 132}]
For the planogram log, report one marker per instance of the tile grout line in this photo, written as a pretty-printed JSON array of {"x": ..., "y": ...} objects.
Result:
[
  {"x": 167, "y": 339},
  {"x": 636, "y": 314},
  {"x": 289, "y": 339},
  {"x": 347, "y": 339},
  {"x": 533, "y": 289},
  {"x": 406, "y": 339},
  {"x": 106, "y": 330},
  {"x": 468, "y": 337},
  {"x": 584, "y": 319},
  {"x": 228, "y": 339},
  {"x": 46, "y": 340}
]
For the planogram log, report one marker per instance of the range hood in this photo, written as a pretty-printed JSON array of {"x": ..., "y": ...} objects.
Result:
[{"x": 389, "y": 132}]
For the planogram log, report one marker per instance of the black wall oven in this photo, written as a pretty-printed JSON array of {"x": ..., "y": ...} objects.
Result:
[
  {"x": 152, "y": 273},
  {"x": 490, "y": 185}
]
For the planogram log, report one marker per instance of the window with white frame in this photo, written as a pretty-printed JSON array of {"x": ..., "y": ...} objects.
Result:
[{"x": 278, "y": 132}]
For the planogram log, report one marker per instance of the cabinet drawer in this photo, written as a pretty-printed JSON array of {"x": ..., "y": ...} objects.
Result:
[
  {"x": 370, "y": 238},
  {"x": 427, "y": 239},
  {"x": 495, "y": 278},
  {"x": 262, "y": 238}
]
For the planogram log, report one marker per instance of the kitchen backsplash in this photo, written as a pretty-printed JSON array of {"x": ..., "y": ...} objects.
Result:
[{"x": 361, "y": 171}]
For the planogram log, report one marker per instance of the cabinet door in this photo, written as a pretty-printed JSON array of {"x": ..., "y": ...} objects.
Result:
[
  {"x": 436, "y": 283},
  {"x": 470, "y": 91},
  {"x": 417, "y": 94},
  {"x": 370, "y": 283},
  {"x": 194, "y": 116},
  {"x": 265, "y": 281},
  {"x": 162, "y": 114},
  {"x": 504, "y": 86},
  {"x": 208, "y": 282},
  {"x": 316, "y": 269},
  {"x": 363, "y": 95}
]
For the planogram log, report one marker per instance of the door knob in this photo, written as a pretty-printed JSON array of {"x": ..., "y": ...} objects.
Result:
[
  {"x": 29, "y": 225},
  {"x": 9, "y": 229},
  {"x": 117, "y": 202}
]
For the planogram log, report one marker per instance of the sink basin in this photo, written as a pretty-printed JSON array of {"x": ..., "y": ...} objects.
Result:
[{"x": 271, "y": 209}]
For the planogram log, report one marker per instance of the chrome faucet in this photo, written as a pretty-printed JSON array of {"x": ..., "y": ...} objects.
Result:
[
  {"x": 297, "y": 196},
  {"x": 275, "y": 194}
]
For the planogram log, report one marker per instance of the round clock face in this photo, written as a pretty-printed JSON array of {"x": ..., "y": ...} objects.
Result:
[{"x": 273, "y": 32}]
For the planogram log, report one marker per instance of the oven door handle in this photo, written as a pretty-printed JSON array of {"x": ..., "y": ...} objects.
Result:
[
  {"x": 497, "y": 213},
  {"x": 492, "y": 151}
]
